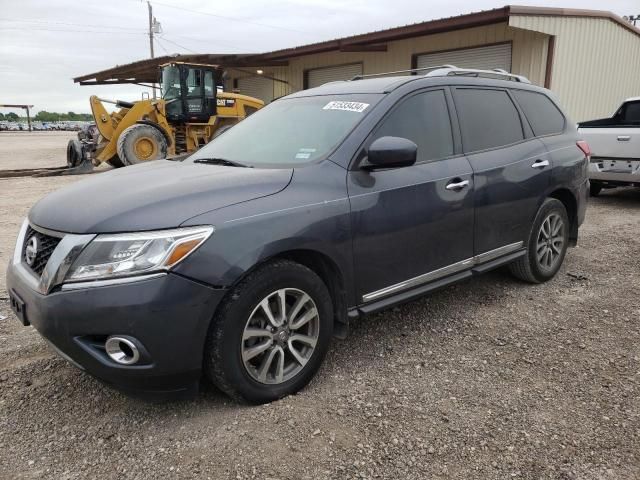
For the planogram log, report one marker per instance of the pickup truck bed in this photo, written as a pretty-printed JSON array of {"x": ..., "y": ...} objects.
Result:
[{"x": 615, "y": 147}]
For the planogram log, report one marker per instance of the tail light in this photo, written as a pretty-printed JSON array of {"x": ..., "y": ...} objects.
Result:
[{"x": 584, "y": 146}]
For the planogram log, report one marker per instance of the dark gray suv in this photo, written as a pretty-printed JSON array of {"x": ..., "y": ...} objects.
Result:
[{"x": 242, "y": 261}]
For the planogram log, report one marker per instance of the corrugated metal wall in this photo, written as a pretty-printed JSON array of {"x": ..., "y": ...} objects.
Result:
[
  {"x": 596, "y": 62},
  {"x": 529, "y": 54},
  {"x": 492, "y": 56}
]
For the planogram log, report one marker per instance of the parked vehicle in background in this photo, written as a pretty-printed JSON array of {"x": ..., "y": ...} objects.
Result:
[
  {"x": 244, "y": 259},
  {"x": 615, "y": 147}
]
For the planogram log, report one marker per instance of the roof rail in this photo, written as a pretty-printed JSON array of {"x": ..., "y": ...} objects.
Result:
[
  {"x": 411, "y": 70},
  {"x": 496, "y": 72}
]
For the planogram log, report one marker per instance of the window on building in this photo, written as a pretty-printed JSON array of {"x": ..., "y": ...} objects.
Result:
[
  {"x": 423, "y": 119},
  {"x": 488, "y": 119},
  {"x": 543, "y": 116}
]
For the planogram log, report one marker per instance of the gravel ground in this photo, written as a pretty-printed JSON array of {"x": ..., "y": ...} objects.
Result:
[{"x": 488, "y": 379}]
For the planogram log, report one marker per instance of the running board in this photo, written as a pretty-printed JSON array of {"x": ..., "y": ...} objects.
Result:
[{"x": 436, "y": 279}]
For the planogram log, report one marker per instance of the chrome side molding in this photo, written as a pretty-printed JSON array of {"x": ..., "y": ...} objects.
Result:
[
  {"x": 444, "y": 271},
  {"x": 424, "y": 278}
]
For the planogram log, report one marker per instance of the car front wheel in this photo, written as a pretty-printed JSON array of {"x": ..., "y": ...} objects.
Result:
[
  {"x": 270, "y": 335},
  {"x": 546, "y": 246}
]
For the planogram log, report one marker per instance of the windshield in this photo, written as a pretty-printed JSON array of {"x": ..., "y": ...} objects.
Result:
[
  {"x": 170, "y": 83},
  {"x": 290, "y": 132}
]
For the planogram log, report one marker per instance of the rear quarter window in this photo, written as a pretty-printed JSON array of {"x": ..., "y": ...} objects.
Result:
[
  {"x": 488, "y": 119},
  {"x": 543, "y": 116}
]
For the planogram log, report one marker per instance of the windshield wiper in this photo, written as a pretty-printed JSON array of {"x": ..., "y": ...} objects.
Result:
[{"x": 221, "y": 161}]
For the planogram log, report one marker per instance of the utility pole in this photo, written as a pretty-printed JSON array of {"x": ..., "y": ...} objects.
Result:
[{"x": 152, "y": 22}]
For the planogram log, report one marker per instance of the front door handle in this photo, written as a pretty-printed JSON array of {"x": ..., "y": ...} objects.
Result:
[
  {"x": 540, "y": 164},
  {"x": 456, "y": 186}
]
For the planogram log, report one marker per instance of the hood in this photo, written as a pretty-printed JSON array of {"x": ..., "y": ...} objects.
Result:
[{"x": 158, "y": 195}]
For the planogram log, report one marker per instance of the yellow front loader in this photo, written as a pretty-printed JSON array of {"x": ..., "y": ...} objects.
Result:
[{"x": 191, "y": 112}]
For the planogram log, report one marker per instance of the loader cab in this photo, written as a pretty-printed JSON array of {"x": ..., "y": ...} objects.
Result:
[{"x": 189, "y": 91}]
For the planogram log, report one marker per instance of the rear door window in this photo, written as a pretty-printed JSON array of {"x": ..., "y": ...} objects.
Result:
[
  {"x": 488, "y": 119},
  {"x": 631, "y": 113},
  {"x": 423, "y": 119},
  {"x": 543, "y": 116}
]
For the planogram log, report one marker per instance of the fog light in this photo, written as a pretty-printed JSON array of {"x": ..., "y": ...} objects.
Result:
[{"x": 122, "y": 350}]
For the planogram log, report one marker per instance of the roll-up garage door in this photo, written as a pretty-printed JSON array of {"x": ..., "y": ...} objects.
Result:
[
  {"x": 319, "y": 76},
  {"x": 258, "y": 87},
  {"x": 490, "y": 57}
]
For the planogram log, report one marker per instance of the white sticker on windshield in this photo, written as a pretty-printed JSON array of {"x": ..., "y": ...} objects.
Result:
[{"x": 348, "y": 106}]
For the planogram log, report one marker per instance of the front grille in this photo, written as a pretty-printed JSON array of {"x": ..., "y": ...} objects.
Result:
[{"x": 45, "y": 245}]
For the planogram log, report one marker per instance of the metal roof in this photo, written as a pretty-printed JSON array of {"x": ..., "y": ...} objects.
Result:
[{"x": 146, "y": 70}]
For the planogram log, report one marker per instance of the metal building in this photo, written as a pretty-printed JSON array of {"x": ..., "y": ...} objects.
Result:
[{"x": 589, "y": 58}]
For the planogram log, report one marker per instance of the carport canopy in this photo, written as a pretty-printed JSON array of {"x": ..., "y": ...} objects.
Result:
[{"x": 146, "y": 71}]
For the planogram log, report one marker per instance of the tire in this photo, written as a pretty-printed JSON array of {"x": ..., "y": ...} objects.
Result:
[
  {"x": 530, "y": 267},
  {"x": 115, "y": 162},
  {"x": 595, "y": 189},
  {"x": 228, "y": 360},
  {"x": 141, "y": 143},
  {"x": 74, "y": 153}
]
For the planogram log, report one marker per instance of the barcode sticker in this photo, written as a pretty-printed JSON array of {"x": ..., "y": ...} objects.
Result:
[{"x": 348, "y": 106}]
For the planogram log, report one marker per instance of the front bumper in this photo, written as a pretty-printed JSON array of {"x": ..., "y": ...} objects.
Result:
[{"x": 168, "y": 314}]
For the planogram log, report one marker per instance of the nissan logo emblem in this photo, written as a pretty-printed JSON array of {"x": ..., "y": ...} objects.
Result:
[{"x": 31, "y": 251}]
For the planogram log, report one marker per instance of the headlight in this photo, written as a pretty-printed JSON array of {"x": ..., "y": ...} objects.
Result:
[{"x": 119, "y": 255}]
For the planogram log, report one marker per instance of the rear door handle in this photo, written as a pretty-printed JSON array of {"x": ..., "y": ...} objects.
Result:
[
  {"x": 624, "y": 138},
  {"x": 540, "y": 164},
  {"x": 456, "y": 186}
]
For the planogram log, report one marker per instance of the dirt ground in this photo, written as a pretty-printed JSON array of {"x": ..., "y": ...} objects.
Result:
[
  {"x": 489, "y": 379},
  {"x": 33, "y": 149}
]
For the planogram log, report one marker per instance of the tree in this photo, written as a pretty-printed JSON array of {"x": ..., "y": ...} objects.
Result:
[
  {"x": 12, "y": 117},
  {"x": 44, "y": 116},
  {"x": 1, "y": 116}
]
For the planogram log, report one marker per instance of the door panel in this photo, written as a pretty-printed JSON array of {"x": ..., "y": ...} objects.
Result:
[
  {"x": 512, "y": 173},
  {"x": 407, "y": 223},
  {"x": 508, "y": 190}
]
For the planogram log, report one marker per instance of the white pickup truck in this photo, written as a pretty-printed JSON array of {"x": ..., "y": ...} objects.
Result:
[{"x": 615, "y": 147}]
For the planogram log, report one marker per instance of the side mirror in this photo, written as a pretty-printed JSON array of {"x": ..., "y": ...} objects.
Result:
[{"x": 391, "y": 152}]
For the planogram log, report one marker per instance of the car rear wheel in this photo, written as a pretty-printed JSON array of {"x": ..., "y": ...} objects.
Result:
[
  {"x": 270, "y": 335},
  {"x": 546, "y": 246}
]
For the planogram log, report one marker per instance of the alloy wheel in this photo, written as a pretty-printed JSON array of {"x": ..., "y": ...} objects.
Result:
[
  {"x": 280, "y": 336},
  {"x": 550, "y": 241}
]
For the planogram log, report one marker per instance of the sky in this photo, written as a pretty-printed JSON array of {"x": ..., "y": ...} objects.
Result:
[{"x": 45, "y": 43}]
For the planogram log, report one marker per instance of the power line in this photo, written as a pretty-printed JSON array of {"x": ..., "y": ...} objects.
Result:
[
  {"x": 157, "y": 39},
  {"x": 217, "y": 42},
  {"x": 178, "y": 45},
  {"x": 47, "y": 22},
  {"x": 232, "y": 19},
  {"x": 70, "y": 31}
]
